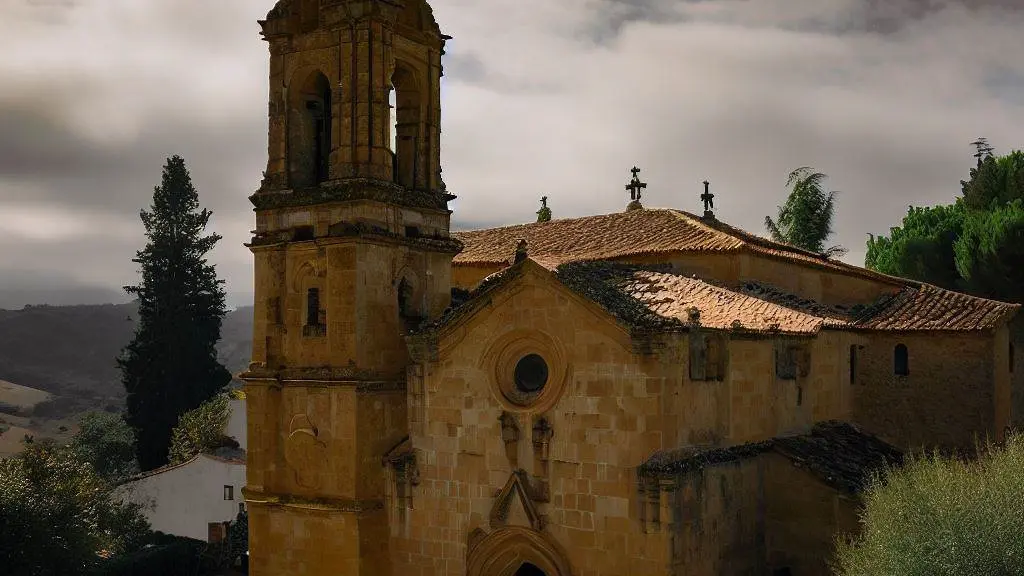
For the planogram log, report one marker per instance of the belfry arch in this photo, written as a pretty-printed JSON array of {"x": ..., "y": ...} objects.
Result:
[
  {"x": 310, "y": 121},
  {"x": 407, "y": 98},
  {"x": 515, "y": 550}
]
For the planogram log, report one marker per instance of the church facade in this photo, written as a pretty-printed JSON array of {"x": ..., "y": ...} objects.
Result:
[{"x": 647, "y": 392}]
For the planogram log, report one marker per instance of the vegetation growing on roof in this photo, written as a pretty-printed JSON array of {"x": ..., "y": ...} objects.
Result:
[{"x": 603, "y": 282}]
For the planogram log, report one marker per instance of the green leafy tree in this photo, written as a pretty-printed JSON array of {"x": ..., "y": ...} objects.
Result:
[
  {"x": 57, "y": 516},
  {"x": 922, "y": 248},
  {"x": 990, "y": 252},
  {"x": 805, "y": 220},
  {"x": 973, "y": 244},
  {"x": 170, "y": 366},
  {"x": 107, "y": 442},
  {"x": 942, "y": 516},
  {"x": 200, "y": 429}
]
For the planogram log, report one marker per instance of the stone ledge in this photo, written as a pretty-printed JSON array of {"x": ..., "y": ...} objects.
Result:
[{"x": 351, "y": 505}]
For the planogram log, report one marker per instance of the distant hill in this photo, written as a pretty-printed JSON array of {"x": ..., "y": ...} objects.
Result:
[{"x": 71, "y": 351}]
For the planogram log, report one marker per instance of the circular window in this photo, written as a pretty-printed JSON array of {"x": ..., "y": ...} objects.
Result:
[{"x": 531, "y": 374}]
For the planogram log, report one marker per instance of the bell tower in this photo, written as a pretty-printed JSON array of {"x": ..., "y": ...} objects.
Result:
[{"x": 352, "y": 250}]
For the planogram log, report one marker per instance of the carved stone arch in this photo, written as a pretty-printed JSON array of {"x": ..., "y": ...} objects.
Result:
[
  {"x": 504, "y": 551},
  {"x": 308, "y": 270},
  {"x": 310, "y": 103}
]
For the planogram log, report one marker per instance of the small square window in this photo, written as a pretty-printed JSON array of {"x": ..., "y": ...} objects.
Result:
[{"x": 229, "y": 492}]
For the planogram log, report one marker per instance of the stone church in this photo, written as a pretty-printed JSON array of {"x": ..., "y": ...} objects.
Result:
[{"x": 639, "y": 393}]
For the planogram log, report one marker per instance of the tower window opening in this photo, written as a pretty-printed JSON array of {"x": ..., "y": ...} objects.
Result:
[
  {"x": 313, "y": 307},
  {"x": 310, "y": 127},
  {"x": 405, "y": 137}
]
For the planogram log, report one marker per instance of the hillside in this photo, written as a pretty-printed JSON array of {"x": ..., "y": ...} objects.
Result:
[{"x": 70, "y": 352}]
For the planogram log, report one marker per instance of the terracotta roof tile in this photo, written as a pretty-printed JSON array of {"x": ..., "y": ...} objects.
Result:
[
  {"x": 927, "y": 307},
  {"x": 632, "y": 233},
  {"x": 673, "y": 296},
  {"x": 595, "y": 238}
]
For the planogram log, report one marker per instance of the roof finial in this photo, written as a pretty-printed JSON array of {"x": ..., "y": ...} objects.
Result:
[
  {"x": 544, "y": 214},
  {"x": 635, "y": 188},
  {"x": 709, "y": 201}
]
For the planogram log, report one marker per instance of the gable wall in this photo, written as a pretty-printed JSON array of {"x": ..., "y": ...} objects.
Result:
[{"x": 607, "y": 421}]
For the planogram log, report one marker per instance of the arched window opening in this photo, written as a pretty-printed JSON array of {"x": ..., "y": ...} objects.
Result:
[
  {"x": 313, "y": 307},
  {"x": 901, "y": 360},
  {"x": 406, "y": 133},
  {"x": 310, "y": 132}
]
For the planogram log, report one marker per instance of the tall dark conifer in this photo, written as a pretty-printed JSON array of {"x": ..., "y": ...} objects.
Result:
[{"x": 170, "y": 366}]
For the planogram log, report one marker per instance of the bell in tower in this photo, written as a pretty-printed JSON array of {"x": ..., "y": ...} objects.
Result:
[{"x": 352, "y": 250}]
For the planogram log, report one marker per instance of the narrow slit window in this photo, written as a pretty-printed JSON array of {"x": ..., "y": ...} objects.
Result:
[
  {"x": 901, "y": 360},
  {"x": 853, "y": 364},
  {"x": 313, "y": 307}
]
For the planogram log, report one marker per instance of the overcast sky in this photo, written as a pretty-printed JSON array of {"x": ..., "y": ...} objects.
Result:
[{"x": 540, "y": 98}]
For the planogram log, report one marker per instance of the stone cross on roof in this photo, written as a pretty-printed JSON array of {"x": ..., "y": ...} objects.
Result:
[
  {"x": 709, "y": 200},
  {"x": 635, "y": 186}
]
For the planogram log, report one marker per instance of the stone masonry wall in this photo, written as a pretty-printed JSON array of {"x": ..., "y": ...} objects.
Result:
[
  {"x": 946, "y": 399},
  {"x": 616, "y": 409}
]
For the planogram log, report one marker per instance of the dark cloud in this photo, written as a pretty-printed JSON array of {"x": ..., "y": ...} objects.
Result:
[{"x": 541, "y": 98}]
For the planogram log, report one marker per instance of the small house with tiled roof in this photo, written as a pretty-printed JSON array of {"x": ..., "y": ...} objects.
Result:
[{"x": 649, "y": 392}]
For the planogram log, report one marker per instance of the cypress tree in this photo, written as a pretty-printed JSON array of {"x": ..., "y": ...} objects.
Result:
[{"x": 170, "y": 366}]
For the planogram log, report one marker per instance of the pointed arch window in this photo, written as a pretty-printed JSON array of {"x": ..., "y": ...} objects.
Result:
[{"x": 901, "y": 360}]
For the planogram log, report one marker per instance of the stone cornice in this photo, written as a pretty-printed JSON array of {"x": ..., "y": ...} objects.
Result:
[
  {"x": 345, "y": 230},
  {"x": 349, "y": 505},
  {"x": 348, "y": 189},
  {"x": 361, "y": 380}
]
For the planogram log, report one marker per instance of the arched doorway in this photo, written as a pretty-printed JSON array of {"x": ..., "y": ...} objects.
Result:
[
  {"x": 529, "y": 570},
  {"x": 517, "y": 551}
]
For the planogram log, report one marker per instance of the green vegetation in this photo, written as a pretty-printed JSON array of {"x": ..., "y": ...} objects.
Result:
[
  {"x": 107, "y": 443},
  {"x": 942, "y": 516},
  {"x": 170, "y": 366},
  {"x": 57, "y": 515},
  {"x": 975, "y": 244},
  {"x": 200, "y": 429},
  {"x": 805, "y": 220}
]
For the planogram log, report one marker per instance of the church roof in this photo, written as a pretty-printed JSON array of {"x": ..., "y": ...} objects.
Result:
[
  {"x": 579, "y": 250},
  {"x": 674, "y": 297},
  {"x": 633, "y": 233},
  {"x": 840, "y": 454}
]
